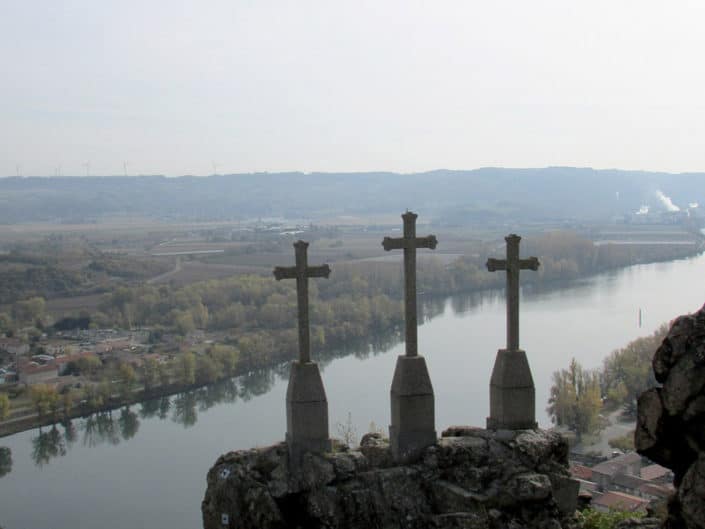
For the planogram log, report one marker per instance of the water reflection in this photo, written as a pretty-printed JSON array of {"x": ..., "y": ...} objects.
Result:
[
  {"x": 116, "y": 426},
  {"x": 48, "y": 445},
  {"x": 5, "y": 461},
  {"x": 129, "y": 423}
]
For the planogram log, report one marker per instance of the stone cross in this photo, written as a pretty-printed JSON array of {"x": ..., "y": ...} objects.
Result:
[
  {"x": 512, "y": 391},
  {"x": 413, "y": 425},
  {"x": 301, "y": 272},
  {"x": 512, "y": 264},
  {"x": 306, "y": 402},
  {"x": 409, "y": 243}
]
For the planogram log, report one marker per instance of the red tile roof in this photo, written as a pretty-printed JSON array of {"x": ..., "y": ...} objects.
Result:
[
  {"x": 581, "y": 472},
  {"x": 621, "y": 501},
  {"x": 653, "y": 472}
]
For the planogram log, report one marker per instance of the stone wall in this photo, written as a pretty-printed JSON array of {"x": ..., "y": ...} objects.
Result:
[
  {"x": 472, "y": 478},
  {"x": 671, "y": 419}
]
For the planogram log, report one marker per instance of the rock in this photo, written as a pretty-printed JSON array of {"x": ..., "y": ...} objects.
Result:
[
  {"x": 639, "y": 523},
  {"x": 691, "y": 494},
  {"x": 671, "y": 420},
  {"x": 472, "y": 479},
  {"x": 376, "y": 449}
]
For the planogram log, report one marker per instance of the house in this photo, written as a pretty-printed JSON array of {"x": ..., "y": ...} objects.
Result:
[
  {"x": 581, "y": 472},
  {"x": 620, "y": 501},
  {"x": 656, "y": 491},
  {"x": 13, "y": 346},
  {"x": 626, "y": 464},
  {"x": 657, "y": 473},
  {"x": 33, "y": 373}
]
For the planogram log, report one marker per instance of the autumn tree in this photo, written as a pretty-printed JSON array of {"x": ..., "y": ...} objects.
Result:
[
  {"x": 150, "y": 374},
  {"x": 127, "y": 377},
  {"x": 187, "y": 367},
  {"x": 627, "y": 372},
  {"x": 4, "y": 406},
  {"x": 575, "y": 401},
  {"x": 45, "y": 399}
]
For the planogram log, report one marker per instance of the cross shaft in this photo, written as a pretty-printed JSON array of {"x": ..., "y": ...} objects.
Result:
[
  {"x": 301, "y": 272},
  {"x": 513, "y": 265},
  {"x": 409, "y": 243}
]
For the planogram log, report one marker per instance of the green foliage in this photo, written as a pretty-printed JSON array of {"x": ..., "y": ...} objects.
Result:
[
  {"x": 624, "y": 443},
  {"x": 627, "y": 372},
  {"x": 89, "y": 365},
  {"x": 4, "y": 406},
  {"x": 127, "y": 378},
  {"x": 29, "y": 311},
  {"x": 150, "y": 374},
  {"x": 187, "y": 368},
  {"x": 592, "y": 519},
  {"x": 45, "y": 399},
  {"x": 575, "y": 400}
]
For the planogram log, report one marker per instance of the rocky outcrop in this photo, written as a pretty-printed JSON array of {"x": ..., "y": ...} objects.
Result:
[
  {"x": 472, "y": 478},
  {"x": 671, "y": 418}
]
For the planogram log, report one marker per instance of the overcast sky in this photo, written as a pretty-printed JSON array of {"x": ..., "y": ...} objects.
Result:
[{"x": 173, "y": 87}]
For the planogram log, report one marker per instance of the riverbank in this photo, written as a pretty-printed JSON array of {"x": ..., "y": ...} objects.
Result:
[{"x": 383, "y": 340}]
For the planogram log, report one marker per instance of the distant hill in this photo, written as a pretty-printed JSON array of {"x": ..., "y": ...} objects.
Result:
[{"x": 524, "y": 194}]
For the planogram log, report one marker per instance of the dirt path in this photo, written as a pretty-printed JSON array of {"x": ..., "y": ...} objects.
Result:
[{"x": 616, "y": 428}]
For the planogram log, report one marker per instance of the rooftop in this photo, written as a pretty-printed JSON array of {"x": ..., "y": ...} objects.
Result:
[
  {"x": 621, "y": 501},
  {"x": 617, "y": 464}
]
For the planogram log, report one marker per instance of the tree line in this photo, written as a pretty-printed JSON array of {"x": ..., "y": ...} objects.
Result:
[{"x": 579, "y": 395}]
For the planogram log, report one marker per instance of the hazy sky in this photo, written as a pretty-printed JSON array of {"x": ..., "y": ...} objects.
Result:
[{"x": 172, "y": 87}]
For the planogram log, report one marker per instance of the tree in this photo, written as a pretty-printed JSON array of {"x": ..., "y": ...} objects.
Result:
[
  {"x": 45, "y": 399},
  {"x": 127, "y": 377},
  {"x": 67, "y": 400},
  {"x": 4, "y": 406},
  {"x": 164, "y": 374},
  {"x": 89, "y": 365},
  {"x": 575, "y": 400},
  {"x": 188, "y": 368},
  {"x": 624, "y": 443},
  {"x": 627, "y": 372},
  {"x": 29, "y": 311},
  {"x": 150, "y": 374},
  {"x": 208, "y": 370}
]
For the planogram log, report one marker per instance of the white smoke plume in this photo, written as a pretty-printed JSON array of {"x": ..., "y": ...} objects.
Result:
[
  {"x": 667, "y": 202},
  {"x": 693, "y": 205}
]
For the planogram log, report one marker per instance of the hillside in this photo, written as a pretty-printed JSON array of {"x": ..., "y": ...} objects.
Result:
[{"x": 478, "y": 195}]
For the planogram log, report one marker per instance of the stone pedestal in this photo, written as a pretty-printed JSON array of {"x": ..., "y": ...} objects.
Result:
[
  {"x": 512, "y": 393},
  {"x": 306, "y": 411},
  {"x": 413, "y": 425}
]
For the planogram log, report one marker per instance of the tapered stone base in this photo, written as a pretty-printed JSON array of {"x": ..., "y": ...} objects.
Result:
[
  {"x": 413, "y": 425},
  {"x": 306, "y": 411},
  {"x": 512, "y": 393}
]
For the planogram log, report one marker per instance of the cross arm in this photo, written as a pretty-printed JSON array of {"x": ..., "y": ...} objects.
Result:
[
  {"x": 496, "y": 264},
  {"x": 532, "y": 263},
  {"x": 388, "y": 243},
  {"x": 318, "y": 271},
  {"x": 284, "y": 272},
  {"x": 400, "y": 243},
  {"x": 429, "y": 241}
]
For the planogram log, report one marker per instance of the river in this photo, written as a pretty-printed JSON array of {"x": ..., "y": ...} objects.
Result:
[{"x": 146, "y": 466}]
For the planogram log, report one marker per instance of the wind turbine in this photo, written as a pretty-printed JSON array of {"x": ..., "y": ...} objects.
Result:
[{"x": 87, "y": 165}]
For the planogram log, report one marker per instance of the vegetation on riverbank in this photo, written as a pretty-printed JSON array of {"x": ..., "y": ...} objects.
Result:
[
  {"x": 255, "y": 316},
  {"x": 579, "y": 395}
]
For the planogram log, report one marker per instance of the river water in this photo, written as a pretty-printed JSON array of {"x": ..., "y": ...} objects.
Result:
[{"x": 146, "y": 466}]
